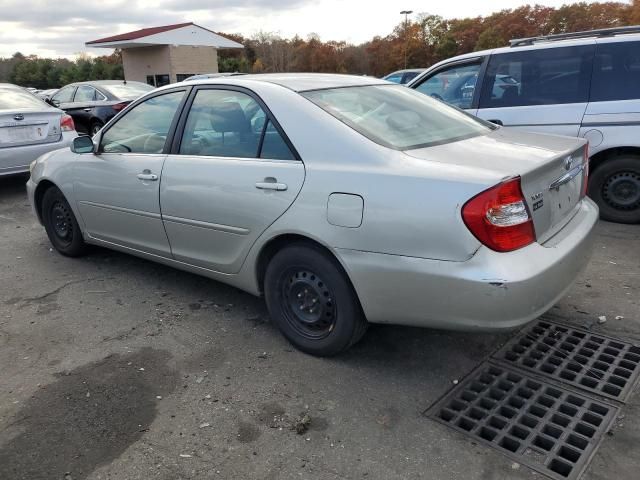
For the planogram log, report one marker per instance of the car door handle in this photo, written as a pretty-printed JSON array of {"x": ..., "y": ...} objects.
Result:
[
  {"x": 88, "y": 109},
  {"x": 147, "y": 176},
  {"x": 497, "y": 122},
  {"x": 280, "y": 187}
]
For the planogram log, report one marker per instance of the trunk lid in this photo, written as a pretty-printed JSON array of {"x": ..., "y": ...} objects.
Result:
[
  {"x": 29, "y": 127},
  {"x": 551, "y": 169}
]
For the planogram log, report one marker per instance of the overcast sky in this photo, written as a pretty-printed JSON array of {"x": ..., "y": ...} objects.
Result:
[{"x": 60, "y": 28}]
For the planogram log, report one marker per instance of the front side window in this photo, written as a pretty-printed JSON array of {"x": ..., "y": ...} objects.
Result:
[
  {"x": 63, "y": 95},
  {"x": 616, "y": 72},
  {"x": 226, "y": 123},
  {"x": 397, "y": 117},
  {"x": 538, "y": 77},
  {"x": 85, "y": 93},
  {"x": 455, "y": 85},
  {"x": 144, "y": 128}
]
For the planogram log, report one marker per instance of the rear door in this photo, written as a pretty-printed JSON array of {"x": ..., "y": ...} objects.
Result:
[
  {"x": 232, "y": 173},
  {"x": 83, "y": 106},
  {"x": 541, "y": 90}
]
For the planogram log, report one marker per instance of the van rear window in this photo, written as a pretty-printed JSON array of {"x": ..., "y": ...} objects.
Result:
[{"x": 616, "y": 72}]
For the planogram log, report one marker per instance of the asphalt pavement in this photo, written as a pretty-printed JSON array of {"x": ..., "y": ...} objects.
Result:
[{"x": 113, "y": 367}]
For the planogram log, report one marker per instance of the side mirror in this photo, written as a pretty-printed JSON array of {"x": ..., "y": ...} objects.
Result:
[
  {"x": 55, "y": 103},
  {"x": 83, "y": 144}
]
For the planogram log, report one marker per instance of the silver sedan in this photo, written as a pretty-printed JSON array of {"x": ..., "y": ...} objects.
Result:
[
  {"x": 28, "y": 128},
  {"x": 343, "y": 200}
]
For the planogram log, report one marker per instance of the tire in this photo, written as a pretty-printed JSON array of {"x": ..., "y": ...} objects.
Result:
[
  {"x": 615, "y": 187},
  {"x": 61, "y": 225},
  {"x": 312, "y": 302},
  {"x": 96, "y": 125}
]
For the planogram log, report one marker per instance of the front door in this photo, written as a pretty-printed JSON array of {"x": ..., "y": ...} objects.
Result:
[
  {"x": 232, "y": 175},
  {"x": 540, "y": 90},
  {"x": 454, "y": 84},
  {"x": 117, "y": 189}
]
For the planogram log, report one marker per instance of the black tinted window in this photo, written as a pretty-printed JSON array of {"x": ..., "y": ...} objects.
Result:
[
  {"x": 538, "y": 77},
  {"x": 273, "y": 145},
  {"x": 455, "y": 85},
  {"x": 616, "y": 72}
]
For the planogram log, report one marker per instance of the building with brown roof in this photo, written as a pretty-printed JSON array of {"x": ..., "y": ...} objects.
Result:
[{"x": 167, "y": 54}]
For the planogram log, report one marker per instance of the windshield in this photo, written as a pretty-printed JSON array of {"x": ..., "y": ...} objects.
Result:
[
  {"x": 396, "y": 116},
  {"x": 128, "y": 91},
  {"x": 16, "y": 98}
]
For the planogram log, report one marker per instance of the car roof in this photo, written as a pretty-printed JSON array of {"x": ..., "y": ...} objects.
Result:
[
  {"x": 542, "y": 43},
  {"x": 105, "y": 82},
  {"x": 407, "y": 70},
  {"x": 9, "y": 85},
  {"x": 298, "y": 82}
]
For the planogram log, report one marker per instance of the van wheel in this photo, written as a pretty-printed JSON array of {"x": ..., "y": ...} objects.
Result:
[
  {"x": 312, "y": 302},
  {"x": 61, "y": 225},
  {"x": 615, "y": 187}
]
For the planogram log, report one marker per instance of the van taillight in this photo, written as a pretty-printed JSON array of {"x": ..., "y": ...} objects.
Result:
[
  {"x": 66, "y": 123},
  {"x": 499, "y": 217}
]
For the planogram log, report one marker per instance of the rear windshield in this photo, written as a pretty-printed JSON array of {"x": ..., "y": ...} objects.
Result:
[
  {"x": 396, "y": 116},
  {"x": 16, "y": 98},
  {"x": 128, "y": 91}
]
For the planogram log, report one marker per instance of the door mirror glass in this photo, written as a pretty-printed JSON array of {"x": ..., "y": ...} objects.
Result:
[
  {"x": 455, "y": 85},
  {"x": 54, "y": 102},
  {"x": 82, "y": 144}
]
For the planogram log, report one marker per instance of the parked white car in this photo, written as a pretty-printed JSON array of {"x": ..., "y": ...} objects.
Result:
[
  {"x": 29, "y": 128},
  {"x": 584, "y": 84},
  {"x": 344, "y": 200}
]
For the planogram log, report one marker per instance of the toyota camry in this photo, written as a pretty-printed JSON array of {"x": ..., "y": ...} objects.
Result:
[{"x": 342, "y": 200}]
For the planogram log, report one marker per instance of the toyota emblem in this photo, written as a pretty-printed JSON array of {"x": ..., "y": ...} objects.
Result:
[{"x": 18, "y": 116}]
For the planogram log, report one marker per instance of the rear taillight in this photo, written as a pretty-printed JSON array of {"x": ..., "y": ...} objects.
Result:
[
  {"x": 119, "y": 106},
  {"x": 499, "y": 217},
  {"x": 66, "y": 123},
  {"x": 585, "y": 171}
]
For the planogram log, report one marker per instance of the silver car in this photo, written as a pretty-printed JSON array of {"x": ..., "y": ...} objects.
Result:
[
  {"x": 343, "y": 200},
  {"x": 28, "y": 128}
]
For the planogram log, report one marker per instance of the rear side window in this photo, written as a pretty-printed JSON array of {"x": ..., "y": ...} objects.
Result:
[
  {"x": 616, "y": 72},
  {"x": 538, "y": 77}
]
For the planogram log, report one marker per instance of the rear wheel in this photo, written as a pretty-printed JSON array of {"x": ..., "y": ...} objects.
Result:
[
  {"x": 96, "y": 125},
  {"x": 615, "y": 187},
  {"x": 312, "y": 302},
  {"x": 61, "y": 224}
]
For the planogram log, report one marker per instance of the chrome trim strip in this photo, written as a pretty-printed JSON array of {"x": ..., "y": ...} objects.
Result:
[
  {"x": 122, "y": 209},
  {"x": 207, "y": 225},
  {"x": 567, "y": 177}
]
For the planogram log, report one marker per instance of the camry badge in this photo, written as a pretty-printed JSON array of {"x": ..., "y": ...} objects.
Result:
[{"x": 18, "y": 116}]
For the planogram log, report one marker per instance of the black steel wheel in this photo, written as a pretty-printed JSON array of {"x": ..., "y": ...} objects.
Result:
[
  {"x": 615, "y": 187},
  {"x": 311, "y": 300},
  {"x": 95, "y": 127},
  {"x": 309, "y": 304},
  {"x": 60, "y": 224}
]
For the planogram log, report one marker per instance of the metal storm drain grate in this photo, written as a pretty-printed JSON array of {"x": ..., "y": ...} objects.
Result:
[
  {"x": 594, "y": 363},
  {"x": 548, "y": 428}
]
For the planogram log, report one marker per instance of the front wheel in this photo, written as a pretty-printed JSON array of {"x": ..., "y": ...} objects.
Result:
[
  {"x": 312, "y": 302},
  {"x": 61, "y": 225},
  {"x": 615, "y": 187}
]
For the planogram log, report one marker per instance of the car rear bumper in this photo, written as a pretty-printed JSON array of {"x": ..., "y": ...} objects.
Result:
[
  {"x": 17, "y": 159},
  {"x": 490, "y": 291}
]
